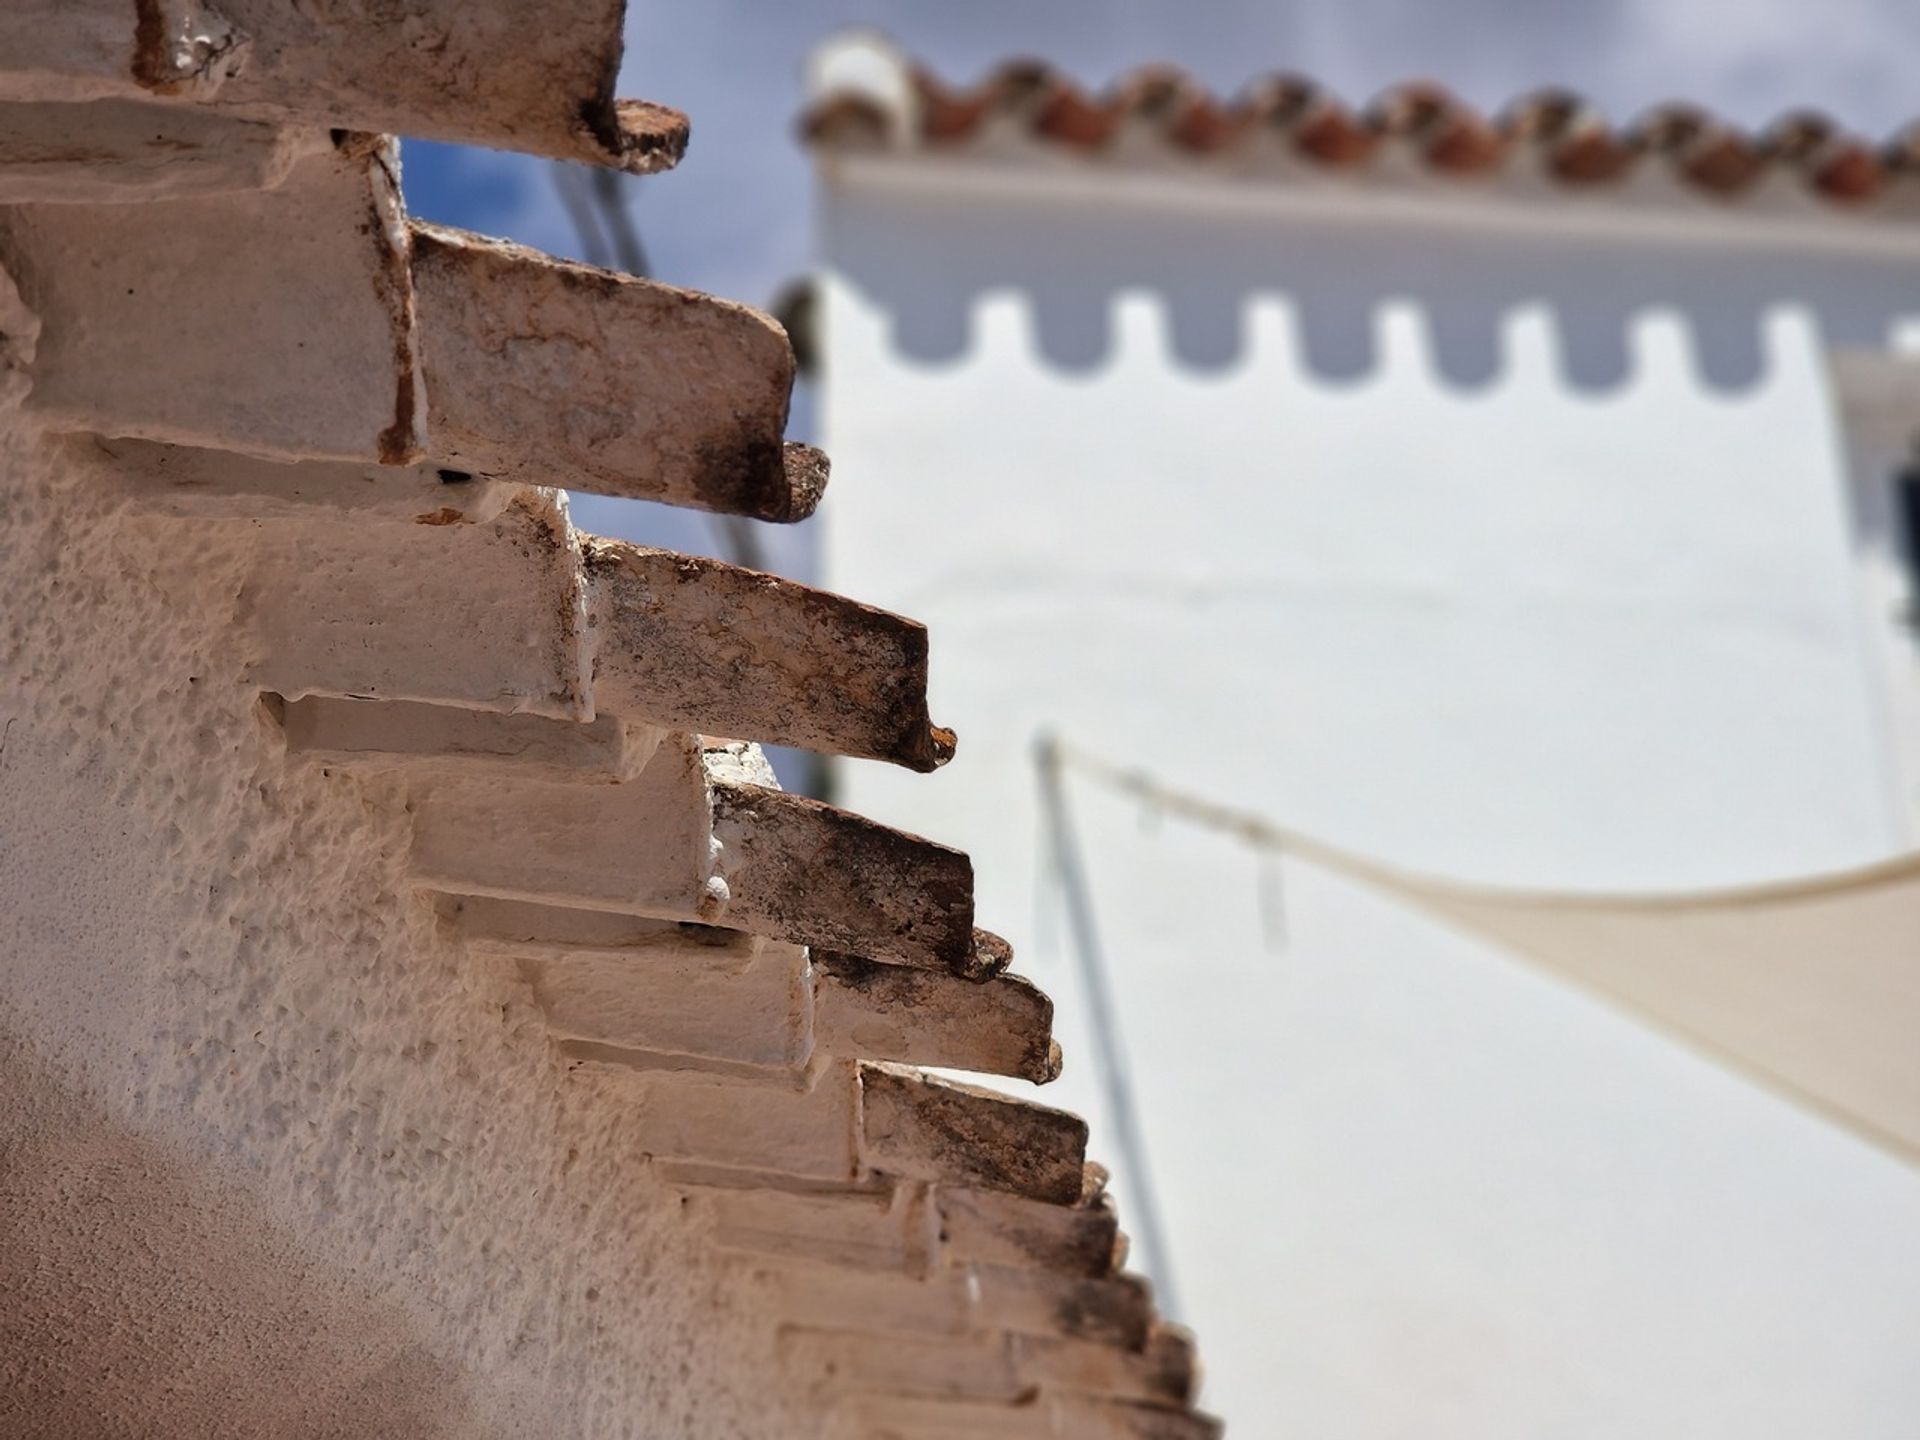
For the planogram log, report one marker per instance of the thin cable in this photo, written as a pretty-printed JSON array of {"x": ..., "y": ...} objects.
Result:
[
  {"x": 612, "y": 202},
  {"x": 571, "y": 186},
  {"x": 1108, "y": 1047},
  {"x": 740, "y": 540}
]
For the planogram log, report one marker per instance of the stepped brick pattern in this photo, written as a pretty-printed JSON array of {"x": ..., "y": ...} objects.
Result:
[{"x": 215, "y": 311}]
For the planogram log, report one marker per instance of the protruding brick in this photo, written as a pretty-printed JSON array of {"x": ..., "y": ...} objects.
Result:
[
  {"x": 476, "y": 616},
  {"x": 702, "y": 645},
  {"x": 519, "y": 927},
  {"x": 925, "y": 1017},
  {"x": 1164, "y": 1371},
  {"x": 829, "y": 1360},
  {"x": 643, "y": 846},
  {"x": 913, "y": 1124},
  {"x": 872, "y": 1302},
  {"x": 746, "y": 1124},
  {"x": 1118, "y": 1311},
  {"x": 911, "y": 1417},
  {"x": 118, "y": 151},
  {"x": 186, "y": 482},
  {"x": 674, "y": 1008},
  {"x": 1132, "y": 1420},
  {"x": 427, "y": 738},
  {"x": 556, "y": 373},
  {"x": 993, "y": 1228},
  {"x": 871, "y": 1226},
  {"x": 825, "y": 877},
  {"x": 297, "y": 344},
  {"x": 528, "y": 75}
]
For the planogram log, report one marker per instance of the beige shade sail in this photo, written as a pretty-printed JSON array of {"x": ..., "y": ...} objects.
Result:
[{"x": 1811, "y": 986}]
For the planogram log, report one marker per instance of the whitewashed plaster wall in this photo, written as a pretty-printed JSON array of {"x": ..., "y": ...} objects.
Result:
[
  {"x": 1510, "y": 545},
  {"x": 280, "y": 1156}
]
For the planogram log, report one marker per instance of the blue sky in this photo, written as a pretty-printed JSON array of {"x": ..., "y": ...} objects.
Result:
[{"x": 734, "y": 218}]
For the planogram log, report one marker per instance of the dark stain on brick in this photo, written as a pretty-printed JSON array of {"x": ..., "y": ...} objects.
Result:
[
  {"x": 826, "y": 876},
  {"x": 857, "y": 688},
  {"x": 1116, "y": 1312},
  {"x": 807, "y": 470},
  {"x": 636, "y": 135},
  {"x": 980, "y": 1137},
  {"x": 868, "y": 977},
  {"x": 393, "y": 283},
  {"x": 987, "y": 957},
  {"x": 740, "y": 473},
  {"x": 152, "y": 68},
  {"x": 396, "y": 442}
]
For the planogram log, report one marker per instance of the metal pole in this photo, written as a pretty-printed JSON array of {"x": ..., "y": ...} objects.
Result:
[
  {"x": 1109, "y": 1051},
  {"x": 612, "y": 200},
  {"x": 571, "y": 185}
]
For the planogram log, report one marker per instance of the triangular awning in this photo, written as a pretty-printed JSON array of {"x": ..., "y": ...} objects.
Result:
[{"x": 1812, "y": 986}]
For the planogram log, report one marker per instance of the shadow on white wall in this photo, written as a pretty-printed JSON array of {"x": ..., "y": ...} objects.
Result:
[{"x": 1336, "y": 276}]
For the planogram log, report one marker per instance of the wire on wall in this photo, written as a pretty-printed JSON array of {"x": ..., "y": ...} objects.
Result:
[{"x": 1109, "y": 1048}]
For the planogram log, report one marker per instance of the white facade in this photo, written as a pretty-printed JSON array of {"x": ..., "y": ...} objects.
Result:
[{"x": 1514, "y": 538}]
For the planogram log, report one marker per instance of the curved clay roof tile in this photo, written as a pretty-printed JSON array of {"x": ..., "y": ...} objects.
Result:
[
  {"x": 1834, "y": 163},
  {"x": 1410, "y": 108},
  {"x": 845, "y": 119},
  {"x": 1329, "y": 132},
  {"x": 1850, "y": 173},
  {"x": 1901, "y": 154},
  {"x": 1723, "y": 161},
  {"x": 1712, "y": 155},
  {"x": 1033, "y": 92},
  {"x": 1334, "y": 135},
  {"x": 1545, "y": 115},
  {"x": 1799, "y": 134},
  {"x": 1205, "y": 127},
  {"x": 1464, "y": 143},
  {"x": 1591, "y": 157},
  {"x": 946, "y": 115},
  {"x": 1154, "y": 92},
  {"x": 1316, "y": 123},
  {"x": 1024, "y": 86},
  {"x": 1666, "y": 128},
  {"x": 1187, "y": 115},
  {"x": 1573, "y": 142},
  {"x": 1280, "y": 99},
  {"x": 1450, "y": 135},
  {"x": 1067, "y": 113}
]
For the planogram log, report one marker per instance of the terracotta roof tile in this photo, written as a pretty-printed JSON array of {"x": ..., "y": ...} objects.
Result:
[{"x": 1555, "y": 131}]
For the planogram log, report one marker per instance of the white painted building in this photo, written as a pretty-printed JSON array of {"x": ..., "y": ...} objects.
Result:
[{"x": 1405, "y": 481}]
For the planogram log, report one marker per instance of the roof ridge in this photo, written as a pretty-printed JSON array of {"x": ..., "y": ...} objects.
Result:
[{"x": 1573, "y": 142}]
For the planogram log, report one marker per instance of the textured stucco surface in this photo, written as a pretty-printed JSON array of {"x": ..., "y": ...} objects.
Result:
[{"x": 275, "y": 1156}]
